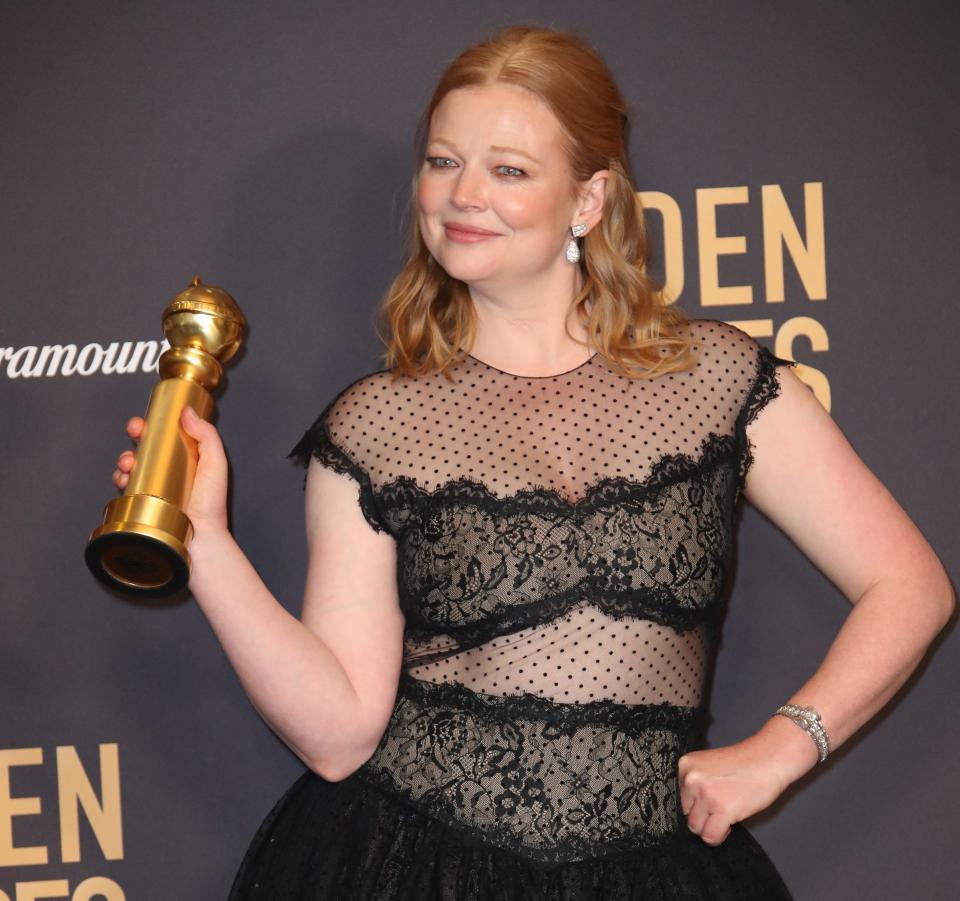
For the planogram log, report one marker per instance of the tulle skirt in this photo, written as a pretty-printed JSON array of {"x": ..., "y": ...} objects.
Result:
[{"x": 350, "y": 841}]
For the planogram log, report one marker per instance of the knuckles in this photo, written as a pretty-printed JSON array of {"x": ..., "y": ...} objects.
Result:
[
  {"x": 714, "y": 840},
  {"x": 714, "y": 801}
]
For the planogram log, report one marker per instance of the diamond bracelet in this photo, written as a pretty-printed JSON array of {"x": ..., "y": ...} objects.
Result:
[{"x": 809, "y": 720}]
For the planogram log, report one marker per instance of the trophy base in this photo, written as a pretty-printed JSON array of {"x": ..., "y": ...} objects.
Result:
[{"x": 149, "y": 559}]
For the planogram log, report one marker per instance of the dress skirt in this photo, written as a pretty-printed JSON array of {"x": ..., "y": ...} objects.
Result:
[{"x": 352, "y": 841}]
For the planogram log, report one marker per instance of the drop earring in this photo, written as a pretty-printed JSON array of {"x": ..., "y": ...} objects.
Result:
[{"x": 573, "y": 246}]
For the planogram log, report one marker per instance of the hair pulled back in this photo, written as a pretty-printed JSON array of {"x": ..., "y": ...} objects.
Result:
[{"x": 428, "y": 316}]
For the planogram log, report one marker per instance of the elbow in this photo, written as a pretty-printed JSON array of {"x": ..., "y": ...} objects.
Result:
[
  {"x": 940, "y": 595},
  {"x": 949, "y": 603},
  {"x": 337, "y": 762},
  {"x": 934, "y": 595},
  {"x": 336, "y": 769},
  {"x": 330, "y": 772}
]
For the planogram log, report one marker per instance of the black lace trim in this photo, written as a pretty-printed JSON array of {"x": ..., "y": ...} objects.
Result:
[
  {"x": 764, "y": 388},
  {"x": 686, "y": 722},
  {"x": 316, "y": 442},
  {"x": 658, "y": 607},
  {"x": 405, "y": 494}
]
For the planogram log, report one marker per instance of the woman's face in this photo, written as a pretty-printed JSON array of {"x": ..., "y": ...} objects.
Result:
[{"x": 496, "y": 192}]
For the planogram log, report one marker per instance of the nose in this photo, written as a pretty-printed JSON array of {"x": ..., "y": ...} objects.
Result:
[{"x": 468, "y": 191}]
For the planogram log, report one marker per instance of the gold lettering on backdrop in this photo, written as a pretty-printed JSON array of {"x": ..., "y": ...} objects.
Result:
[
  {"x": 780, "y": 230},
  {"x": 52, "y": 888},
  {"x": 669, "y": 210},
  {"x": 712, "y": 246},
  {"x": 816, "y": 334},
  {"x": 98, "y": 887},
  {"x": 783, "y": 346},
  {"x": 95, "y": 887},
  {"x": 781, "y": 236},
  {"x": 755, "y": 328},
  {"x": 10, "y": 807},
  {"x": 75, "y": 791}
]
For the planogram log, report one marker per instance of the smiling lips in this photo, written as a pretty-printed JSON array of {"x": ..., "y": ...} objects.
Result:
[{"x": 466, "y": 234}]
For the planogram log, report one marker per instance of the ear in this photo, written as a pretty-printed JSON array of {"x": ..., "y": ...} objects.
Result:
[{"x": 592, "y": 195}]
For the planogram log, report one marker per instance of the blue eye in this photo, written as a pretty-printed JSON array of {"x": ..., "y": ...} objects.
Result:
[
  {"x": 511, "y": 171},
  {"x": 440, "y": 162}
]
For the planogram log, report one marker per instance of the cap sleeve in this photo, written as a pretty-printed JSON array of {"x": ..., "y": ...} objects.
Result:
[
  {"x": 764, "y": 387},
  {"x": 326, "y": 441}
]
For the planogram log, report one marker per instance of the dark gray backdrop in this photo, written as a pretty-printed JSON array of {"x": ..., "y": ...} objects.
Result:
[{"x": 267, "y": 148}]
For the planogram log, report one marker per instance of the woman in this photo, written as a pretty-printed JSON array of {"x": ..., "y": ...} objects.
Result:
[{"x": 519, "y": 533}]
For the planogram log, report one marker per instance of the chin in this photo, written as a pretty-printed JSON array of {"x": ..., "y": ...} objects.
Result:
[{"x": 469, "y": 271}]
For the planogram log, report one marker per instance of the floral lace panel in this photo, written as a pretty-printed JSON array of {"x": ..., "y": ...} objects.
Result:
[
  {"x": 555, "y": 781},
  {"x": 476, "y": 571}
]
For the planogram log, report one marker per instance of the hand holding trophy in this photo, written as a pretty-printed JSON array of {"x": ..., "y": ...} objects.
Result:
[{"x": 142, "y": 545}]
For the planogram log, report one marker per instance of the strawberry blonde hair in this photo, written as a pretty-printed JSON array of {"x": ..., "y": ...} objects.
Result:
[{"x": 429, "y": 317}]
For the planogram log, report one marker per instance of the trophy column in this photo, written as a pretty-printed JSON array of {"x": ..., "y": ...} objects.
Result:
[{"x": 142, "y": 545}]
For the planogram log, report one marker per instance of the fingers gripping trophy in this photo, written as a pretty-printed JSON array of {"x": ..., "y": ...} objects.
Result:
[{"x": 142, "y": 545}]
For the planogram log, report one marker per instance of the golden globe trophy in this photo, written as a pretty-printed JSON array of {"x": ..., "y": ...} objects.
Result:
[{"x": 141, "y": 547}]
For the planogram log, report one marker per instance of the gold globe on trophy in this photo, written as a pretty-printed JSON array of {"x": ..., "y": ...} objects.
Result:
[{"x": 142, "y": 546}]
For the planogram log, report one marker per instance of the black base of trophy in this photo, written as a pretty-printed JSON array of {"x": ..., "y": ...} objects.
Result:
[{"x": 137, "y": 564}]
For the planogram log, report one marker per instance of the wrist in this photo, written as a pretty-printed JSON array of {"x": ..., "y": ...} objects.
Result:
[
  {"x": 207, "y": 544},
  {"x": 793, "y": 749},
  {"x": 808, "y": 719}
]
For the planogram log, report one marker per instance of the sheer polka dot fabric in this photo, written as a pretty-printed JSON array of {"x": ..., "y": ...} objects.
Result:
[
  {"x": 564, "y": 536},
  {"x": 640, "y": 662},
  {"x": 562, "y": 433},
  {"x": 562, "y": 547}
]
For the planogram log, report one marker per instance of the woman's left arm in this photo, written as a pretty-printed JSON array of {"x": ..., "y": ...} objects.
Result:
[{"x": 809, "y": 481}]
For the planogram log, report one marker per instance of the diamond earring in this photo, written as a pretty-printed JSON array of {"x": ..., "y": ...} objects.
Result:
[{"x": 572, "y": 252}]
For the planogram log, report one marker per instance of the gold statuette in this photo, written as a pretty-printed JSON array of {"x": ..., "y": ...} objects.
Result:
[{"x": 141, "y": 547}]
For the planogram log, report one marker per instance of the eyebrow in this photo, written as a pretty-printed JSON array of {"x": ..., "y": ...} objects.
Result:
[
  {"x": 516, "y": 151},
  {"x": 496, "y": 148}
]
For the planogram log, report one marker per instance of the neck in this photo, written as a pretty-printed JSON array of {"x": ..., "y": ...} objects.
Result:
[{"x": 530, "y": 329}]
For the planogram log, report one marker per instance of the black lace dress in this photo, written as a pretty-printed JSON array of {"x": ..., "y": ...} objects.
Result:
[{"x": 562, "y": 546}]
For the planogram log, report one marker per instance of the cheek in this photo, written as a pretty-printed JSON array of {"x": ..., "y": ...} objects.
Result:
[
  {"x": 428, "y": 195},
  {"x": 534, "y": 211},
  {"x": 426, "y": 207}
]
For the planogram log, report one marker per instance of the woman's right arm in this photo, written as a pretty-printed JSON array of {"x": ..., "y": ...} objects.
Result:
[{"x": 325, "y": 684}]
